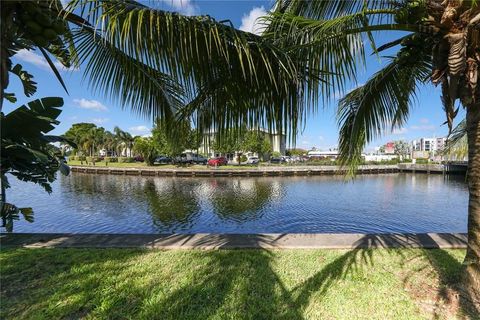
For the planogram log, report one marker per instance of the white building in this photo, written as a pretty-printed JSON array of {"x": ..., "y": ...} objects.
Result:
[
  {"x": 428, "y": 144},
  {"x": 323, "y": 154},
  {"x": 277, "y": 141}
]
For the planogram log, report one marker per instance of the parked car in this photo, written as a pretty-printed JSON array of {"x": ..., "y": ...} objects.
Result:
[
  {"x": 182, "y": 159},
  {"x": 163, "y": 160},
  {"x": 217, "y": 161},
  {"x": 253, "y": 160},
  {"x": 277, "y": 160},
  {"x": 196, "y": 158}
]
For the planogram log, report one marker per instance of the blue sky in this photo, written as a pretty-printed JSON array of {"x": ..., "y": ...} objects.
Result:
[{"x": 321, "y": 131}]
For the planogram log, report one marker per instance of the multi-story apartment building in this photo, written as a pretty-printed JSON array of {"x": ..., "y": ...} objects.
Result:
[{"x": 428, "y": 144}]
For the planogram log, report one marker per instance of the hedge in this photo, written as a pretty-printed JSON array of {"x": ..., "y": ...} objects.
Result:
[{"x": 126, "y": 159}]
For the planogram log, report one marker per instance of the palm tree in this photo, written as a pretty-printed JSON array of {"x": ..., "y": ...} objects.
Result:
[
  {"x": 439, "y": 43},
  {"x": 132, "y": 54}
]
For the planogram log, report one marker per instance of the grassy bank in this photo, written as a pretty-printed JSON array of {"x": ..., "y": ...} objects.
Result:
[{"x": 229, "y": 284}]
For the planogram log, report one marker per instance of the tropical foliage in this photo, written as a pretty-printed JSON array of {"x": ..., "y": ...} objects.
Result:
[
  {"x": 242, "y": 139},
  {"x": 131, "y": 53},
  {"x": 257, "y": 142},
  {"x": 173, "y": 138},
  {"x": 147, "y": 148},
  {"x": 90, "y": 140},
  {"x": 401, "y": 148},
  {"x": 27, "y": 153},
  {"x": 439, "y": 44}
]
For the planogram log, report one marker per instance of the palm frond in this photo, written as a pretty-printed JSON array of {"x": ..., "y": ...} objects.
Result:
[
  {"x": 125, "y": 79},
  {"x": 327, "y": 9},
  {"x": 334, "y": 47},
  {"x": 382, "y": 104},
  {"x": 198, "y": 51},
  {"x": 457, "y": 138}
]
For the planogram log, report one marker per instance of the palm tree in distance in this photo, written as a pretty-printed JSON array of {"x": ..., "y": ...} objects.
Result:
[
  {"x": 125, "y": 140},
  {"x": 440, "y": 44}
]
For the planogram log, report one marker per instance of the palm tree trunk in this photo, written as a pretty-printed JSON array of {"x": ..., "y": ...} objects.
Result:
[{"x": 472, "y": 258}]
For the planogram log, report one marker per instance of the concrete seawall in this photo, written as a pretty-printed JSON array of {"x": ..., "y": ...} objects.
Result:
[
  {"x": 271, "y": 171},
  {"x": 259, "y": 171}
]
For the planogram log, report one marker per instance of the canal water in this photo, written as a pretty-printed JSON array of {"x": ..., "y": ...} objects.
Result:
[{"x": 386, "y": 203}]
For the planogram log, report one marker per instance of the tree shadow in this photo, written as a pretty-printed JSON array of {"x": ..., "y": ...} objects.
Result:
[
  {"x": 194, "y": 284},
  {"x": 447, "y": 268}
]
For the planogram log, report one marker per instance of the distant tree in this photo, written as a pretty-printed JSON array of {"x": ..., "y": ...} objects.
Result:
[
  {"x": 78, "y": 133},
  {"x": 401, "y": 148},
  {"x": 173, "y": 142},
  {"x": 125, "y": 139},
  {"x": 194, "y": 140},
  {"x": 255, "y": 141},
  {"x": 296, "y": 152},
  {"x": 147, "y": 148},
  {"x": 227, "y": 143}
]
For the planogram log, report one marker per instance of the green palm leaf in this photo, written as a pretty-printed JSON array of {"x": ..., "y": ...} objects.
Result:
[{"x": 381, "y": 104}]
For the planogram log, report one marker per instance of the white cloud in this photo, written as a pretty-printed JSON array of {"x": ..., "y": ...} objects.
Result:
[
  {"x": 423, "y": 127},
  {"x": 90, "y": 104},
  {"x": 38, "y": 60},
  {"x": 139, "y": 129},
  {"x": 321, "y": 138},
  {"x": 100, "y": 120},
  {"x": 399, "y": 131},
  {"x": 424, "y": 120},
  {"x": 185, "y": 7},
  {"x": 250, "y": 22}
]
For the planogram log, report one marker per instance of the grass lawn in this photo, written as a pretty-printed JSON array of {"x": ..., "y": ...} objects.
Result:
[{"x": 230, "y": 284}]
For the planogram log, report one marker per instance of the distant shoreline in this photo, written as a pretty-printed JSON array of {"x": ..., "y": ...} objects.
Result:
[{"x": 228, "y": 171}]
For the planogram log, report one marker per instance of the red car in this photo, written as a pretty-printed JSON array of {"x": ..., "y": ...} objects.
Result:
[{"x": 218, "y": 161}]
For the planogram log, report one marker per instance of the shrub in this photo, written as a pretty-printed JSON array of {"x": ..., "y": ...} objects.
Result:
[
  {"x": 125, "y": 159},
  {"x": 80, "y": 158},
  {"x": 93, "y": 159},
  {"x": 243, "y": 158},
  {"x": 421, "y": 161},
  {"x": 111, "y": 159}
]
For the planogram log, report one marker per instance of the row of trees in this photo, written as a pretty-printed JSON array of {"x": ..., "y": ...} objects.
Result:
[
  {"x": 166, "y": 141},
  {"x": 90, "y": 139},
  {"x": 243, "y": 140}
]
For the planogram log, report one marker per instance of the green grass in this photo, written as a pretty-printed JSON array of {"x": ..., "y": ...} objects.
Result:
[{"x": 228, "y": 284}]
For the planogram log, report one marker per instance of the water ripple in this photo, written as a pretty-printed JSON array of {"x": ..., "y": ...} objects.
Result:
[{"x": 84, "y": 203}]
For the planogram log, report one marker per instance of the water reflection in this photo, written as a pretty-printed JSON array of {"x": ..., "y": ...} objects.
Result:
[
  {"x": 132, "y": 204},
  {"x": 240, "y": 200},
  {"x": 172, "y": 203}
]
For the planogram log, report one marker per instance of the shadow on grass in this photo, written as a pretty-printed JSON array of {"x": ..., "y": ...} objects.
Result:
[
  {"x": 447, "y": 268},
  {"x": 153, "y": 284}
]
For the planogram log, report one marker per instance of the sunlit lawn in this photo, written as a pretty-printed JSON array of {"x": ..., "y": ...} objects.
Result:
[{"x": 229, "y": 284}]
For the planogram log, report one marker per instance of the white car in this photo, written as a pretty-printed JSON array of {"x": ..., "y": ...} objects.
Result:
[{"x": 253, "y": 160}]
